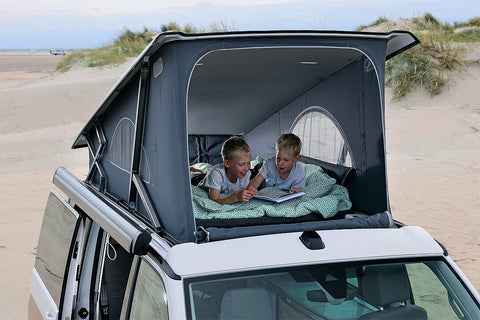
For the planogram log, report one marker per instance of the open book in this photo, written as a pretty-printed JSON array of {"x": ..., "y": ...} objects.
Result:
[{"x": 276, "y": 195}]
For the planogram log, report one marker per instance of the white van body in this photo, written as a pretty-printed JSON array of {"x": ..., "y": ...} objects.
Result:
[{"x": 132, "y": 241}]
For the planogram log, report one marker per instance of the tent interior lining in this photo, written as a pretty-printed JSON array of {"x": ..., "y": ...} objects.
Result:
[{"x": 249, "y": 85}]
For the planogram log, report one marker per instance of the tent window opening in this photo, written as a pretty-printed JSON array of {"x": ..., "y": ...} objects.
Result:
[
  {"x": 121, "y": 149},
  {"x": 322, "y": 137}
]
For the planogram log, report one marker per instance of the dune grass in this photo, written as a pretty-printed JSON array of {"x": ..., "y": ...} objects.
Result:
[
  {"x": 130, "y": 44},
  {"x": 428, "y": 65},
  {"x": 472, "y": 35},
  {"x": 377, "y": 22},
  {"x": 431, "y": 64}
]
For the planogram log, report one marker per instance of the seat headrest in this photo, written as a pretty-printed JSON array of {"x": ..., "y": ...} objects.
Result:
[
  {"x": 383, "y": 285},
  {"x": 247, "y": 303},
  {"x": 399, "y": 313}
]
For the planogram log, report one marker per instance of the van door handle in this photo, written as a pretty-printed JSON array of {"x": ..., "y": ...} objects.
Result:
[{"x": 49, "y": 315}]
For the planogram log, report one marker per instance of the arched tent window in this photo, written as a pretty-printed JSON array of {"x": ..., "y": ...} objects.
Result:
[
  {"x": 322, "y": 137},
  {"x": 121, "y": 149}
]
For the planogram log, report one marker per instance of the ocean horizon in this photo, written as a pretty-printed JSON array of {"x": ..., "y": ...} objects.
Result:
[{"x": 32, "y": 50}]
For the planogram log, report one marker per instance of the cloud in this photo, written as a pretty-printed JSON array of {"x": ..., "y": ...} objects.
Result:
[
  {"x": 90, "y": 23},
  {"x": 245, "y": 3},
  {"x": 34, "y": 8}
]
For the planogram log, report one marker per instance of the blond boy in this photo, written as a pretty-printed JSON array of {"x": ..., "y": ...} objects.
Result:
[
  {"x": 231, "y": 176},
  {"x": 283, "y": 171}
]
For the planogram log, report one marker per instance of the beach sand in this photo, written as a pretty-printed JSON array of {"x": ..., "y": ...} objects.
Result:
[{"x": 433, "y": 153}]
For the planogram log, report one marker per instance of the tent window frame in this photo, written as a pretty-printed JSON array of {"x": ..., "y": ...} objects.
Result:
[
  {"x": 345, "y": 149},
  {"x": 125, "y": 128}
]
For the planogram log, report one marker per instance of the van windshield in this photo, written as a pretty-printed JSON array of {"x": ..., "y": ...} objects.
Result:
[{"x": 391, "y": 290}]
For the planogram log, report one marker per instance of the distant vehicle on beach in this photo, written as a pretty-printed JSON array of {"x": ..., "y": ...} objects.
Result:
[{"x": 57, "y": 51}]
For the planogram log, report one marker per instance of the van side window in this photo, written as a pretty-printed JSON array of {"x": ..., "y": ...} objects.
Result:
[
  {"x": 56, "y": 235},
  {"x": 149, "y": 296},
  {"x": 322, "y": 137}
]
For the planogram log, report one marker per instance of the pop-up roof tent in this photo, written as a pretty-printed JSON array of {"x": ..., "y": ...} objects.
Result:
[{"x": 186, "y": 94}]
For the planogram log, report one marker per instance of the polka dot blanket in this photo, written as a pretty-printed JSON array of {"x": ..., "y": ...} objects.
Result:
[{"x": 322, "y": 196}]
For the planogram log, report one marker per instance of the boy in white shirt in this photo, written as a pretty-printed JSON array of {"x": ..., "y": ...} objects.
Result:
[
  {"x": 283, "y": 171},
  {"x": 231, "y": 176}
]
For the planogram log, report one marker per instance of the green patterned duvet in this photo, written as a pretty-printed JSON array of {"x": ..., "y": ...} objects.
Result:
[{"x": 322, "y": 196}]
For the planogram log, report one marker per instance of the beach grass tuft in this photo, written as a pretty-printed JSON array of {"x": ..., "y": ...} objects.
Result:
[
  {"x": 127, "y": 44},
  {"x": 435, "y": 61},
  {"x": 131, "y": 44}
]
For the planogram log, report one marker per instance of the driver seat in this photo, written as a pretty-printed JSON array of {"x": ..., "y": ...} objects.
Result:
[{"x": 388, "y": 288}]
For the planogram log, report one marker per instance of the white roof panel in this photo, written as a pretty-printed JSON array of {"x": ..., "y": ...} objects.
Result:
[{"x": 284, "y": 250}]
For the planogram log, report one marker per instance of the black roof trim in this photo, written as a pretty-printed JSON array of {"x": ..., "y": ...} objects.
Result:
[
  {"x": 165, "y": 266},
  {"x": 445, "y": 251}
]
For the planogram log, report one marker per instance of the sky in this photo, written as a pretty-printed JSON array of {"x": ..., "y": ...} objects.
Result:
[{"x": 82, "y": 24}]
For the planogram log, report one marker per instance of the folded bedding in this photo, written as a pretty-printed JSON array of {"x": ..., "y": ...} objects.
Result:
[{"x": 322, "y": 196}]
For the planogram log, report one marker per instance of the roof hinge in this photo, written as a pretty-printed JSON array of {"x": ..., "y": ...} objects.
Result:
[{"x": 97, "y": 155}]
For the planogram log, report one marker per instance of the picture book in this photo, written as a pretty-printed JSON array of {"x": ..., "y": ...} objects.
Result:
[{"x": 276, "y": 195}]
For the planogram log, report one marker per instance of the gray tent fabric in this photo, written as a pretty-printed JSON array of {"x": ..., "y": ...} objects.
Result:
[
  {"x": 201, "y": 89},
  {"x": 379, "y": 220}
]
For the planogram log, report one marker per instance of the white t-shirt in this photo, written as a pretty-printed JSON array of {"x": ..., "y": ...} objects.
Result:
[
  {"x": 217, "y": 179},
  {"x": 296, "y": 178}
]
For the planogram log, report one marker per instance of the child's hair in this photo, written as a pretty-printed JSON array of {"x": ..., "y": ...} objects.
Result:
[
  {"x": 233, "y": 147},
  {"x": 289, "y": 142}
]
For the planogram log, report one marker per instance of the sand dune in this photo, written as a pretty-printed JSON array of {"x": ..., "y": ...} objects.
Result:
[
  {"x": 40, "y": 116},
  {"x": 433, "y": 147}
]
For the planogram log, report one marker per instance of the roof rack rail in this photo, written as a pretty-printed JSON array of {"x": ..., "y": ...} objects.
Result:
[{"x": 132, "y": 238}]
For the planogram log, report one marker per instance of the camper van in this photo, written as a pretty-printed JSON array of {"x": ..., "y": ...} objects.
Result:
[{"x": 138, "y": 239}]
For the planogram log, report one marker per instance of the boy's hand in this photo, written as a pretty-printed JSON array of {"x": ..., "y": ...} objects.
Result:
[
  {"x": 195, "y": 170},
  {"x": 252, "y": 189},
  {"x": 244, "y": 195},
  {"x": 294, "y": 190}
]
